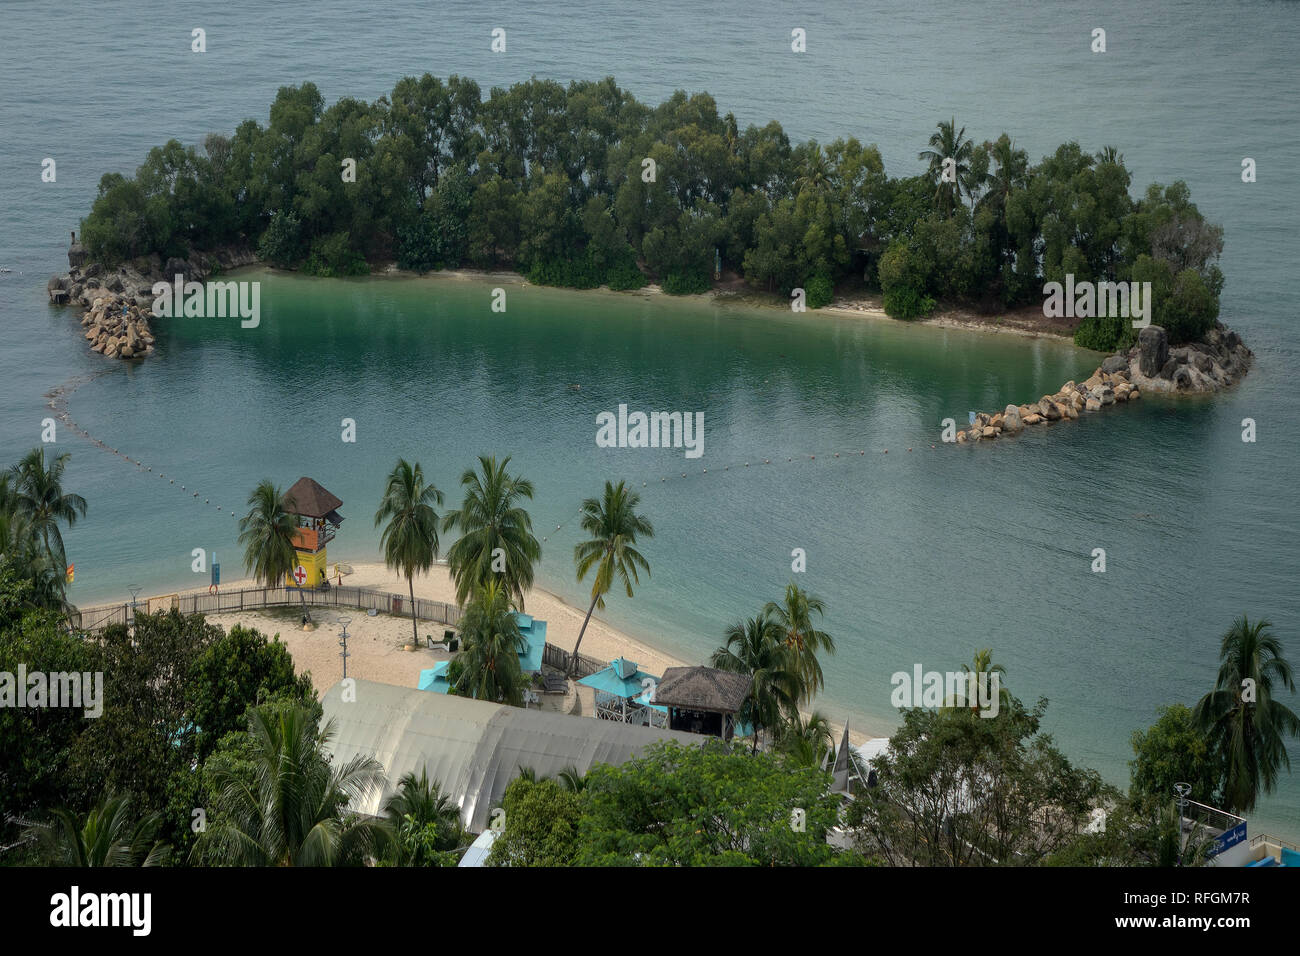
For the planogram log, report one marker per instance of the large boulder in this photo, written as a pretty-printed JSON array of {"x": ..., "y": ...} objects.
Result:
[
  {"x": 1011, "y": 420},
  {"x": 1116, "y": 363},
  {"x": 1153, "y": 350}
]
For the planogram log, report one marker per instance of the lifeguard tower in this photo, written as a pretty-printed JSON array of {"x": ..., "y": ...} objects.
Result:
[{"x": 318, "y": 519}]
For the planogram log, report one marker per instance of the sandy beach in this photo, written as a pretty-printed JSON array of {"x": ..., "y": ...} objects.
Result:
[{"x": 376, "y": 645}]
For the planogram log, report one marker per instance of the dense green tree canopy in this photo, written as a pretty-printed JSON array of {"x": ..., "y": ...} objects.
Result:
[{"x": 584, "y": 185}]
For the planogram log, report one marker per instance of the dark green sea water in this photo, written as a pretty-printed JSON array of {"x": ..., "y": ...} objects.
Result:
[{"x": 922, "y": 556}]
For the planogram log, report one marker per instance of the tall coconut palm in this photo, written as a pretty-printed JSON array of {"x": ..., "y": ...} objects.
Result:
[
  {"x": 490, "y": 647},
  {"x": 614, "y": 527},
  {"x": 22, "y": 550},
  {"x": 756, "y": 647},
  {"x": 109, "y": 836},
  {"x": 36, "y": 492},
  {"x": 950, "y": 148},
  {"x": 1241, "y": 718},
  {"x": 982, "y": 667},
  {"x": 410, "y": 539},
  {"x": 266, "y": 533},
  {"x": 496, "y": 534},
  {"x": 290, "y": 807},
  {"x": 803, "y": 641}
]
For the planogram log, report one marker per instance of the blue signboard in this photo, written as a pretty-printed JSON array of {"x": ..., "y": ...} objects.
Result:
[{"x": 1229, "y": 838}]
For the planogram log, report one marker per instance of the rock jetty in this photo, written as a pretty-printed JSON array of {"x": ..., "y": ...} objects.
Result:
[
  {"x": 1219, "y": 361},
  {"x": 119, "y": 302}
]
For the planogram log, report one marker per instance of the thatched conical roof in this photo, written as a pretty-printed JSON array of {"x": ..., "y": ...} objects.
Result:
[{"x": 308, "y": 498}]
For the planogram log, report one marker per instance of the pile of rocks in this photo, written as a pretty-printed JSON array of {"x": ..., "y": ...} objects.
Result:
[
  {"x": 121, "y": 300},
  {"x": 117, "y": 329},
  {"x": 1102, "y": 389},
  {"x": 1217, "y": 362}
]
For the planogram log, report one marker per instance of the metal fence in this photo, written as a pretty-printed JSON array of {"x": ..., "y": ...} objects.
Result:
[{"x": 95, "y": 619}]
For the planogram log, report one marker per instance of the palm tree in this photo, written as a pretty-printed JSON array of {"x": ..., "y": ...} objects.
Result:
[
  {"x": 1241, "y": 719},
  {"x": 290, "y": 808},
  {"x": 948, "y": 145},
  {"x": 36, "y": 492},
  {"x": 266, "y": 533},
  {"x": 571, "y": 779},
  {"x": 806, "y": 741},
  {"x": 22, "y": 550},
  {"x": 793, "y": 620},
  {"x": 818, "y": 171},
  {"x": 416, "y": 804},
  {"x": 108, "y": 837},
  {"x": 1110, "y": 154},
  {"x": 410, "y": 539},
  {"x": 756, "y": 648},
  {"x": 981, "y": 664},
  {"x": 496, "y": 534},
  {"x": 490, "y": 648},
  {"x": 614, "y": 526}
]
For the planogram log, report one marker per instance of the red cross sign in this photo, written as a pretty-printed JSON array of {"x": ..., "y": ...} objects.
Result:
[{"x": 300, "y": 575}]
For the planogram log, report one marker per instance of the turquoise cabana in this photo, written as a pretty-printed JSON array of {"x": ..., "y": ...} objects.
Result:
[
  {"x": 624, "y": 693},
  {"x": 530, "y": 661}
]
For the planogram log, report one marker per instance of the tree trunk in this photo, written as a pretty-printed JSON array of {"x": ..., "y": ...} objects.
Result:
[
  {"x": 573, "y": 660},
  {"x": 415, "y": 630}
]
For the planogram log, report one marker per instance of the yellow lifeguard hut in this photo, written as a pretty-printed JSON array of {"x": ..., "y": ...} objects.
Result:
[{"x": 318, "y": 519}]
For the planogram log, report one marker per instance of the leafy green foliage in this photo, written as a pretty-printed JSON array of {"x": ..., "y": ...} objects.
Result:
[
  {"x": 686, "y": 283},
  {"x": 906, "y": 303},
  {"x": 237, "y": 670},
  {"x": 333, "y": 255},
  {"x": 1173, "y": 750},
  {"x": 960, "y": 789},
  {"x": 820, "y": 291},
  {"x": 281, "y": 244},
  {"x": 705, "y": 806},
  {"x": 1108, "y": 333},
  {"x": 541, "y": 825}
]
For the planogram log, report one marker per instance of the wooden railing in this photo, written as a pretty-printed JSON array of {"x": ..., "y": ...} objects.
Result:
[
  {"x": 559, "y": 659},
  {"x": 94, "y": 619}
]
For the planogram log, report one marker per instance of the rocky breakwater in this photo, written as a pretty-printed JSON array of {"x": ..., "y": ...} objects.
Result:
[
  {"x": 117, "y": 329},
  {"x": 1219, "y": 361},
  {"x": 120, "y": 300}
]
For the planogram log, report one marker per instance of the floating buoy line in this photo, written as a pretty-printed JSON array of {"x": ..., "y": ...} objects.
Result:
[{"x": 58, "y": 403}]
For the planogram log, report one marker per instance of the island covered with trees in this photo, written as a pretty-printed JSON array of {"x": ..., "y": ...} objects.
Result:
[{"x": 584, "y": 186}]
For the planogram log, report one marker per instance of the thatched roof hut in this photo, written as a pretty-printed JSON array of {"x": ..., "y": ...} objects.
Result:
[{"x": 702, "y": 700}]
